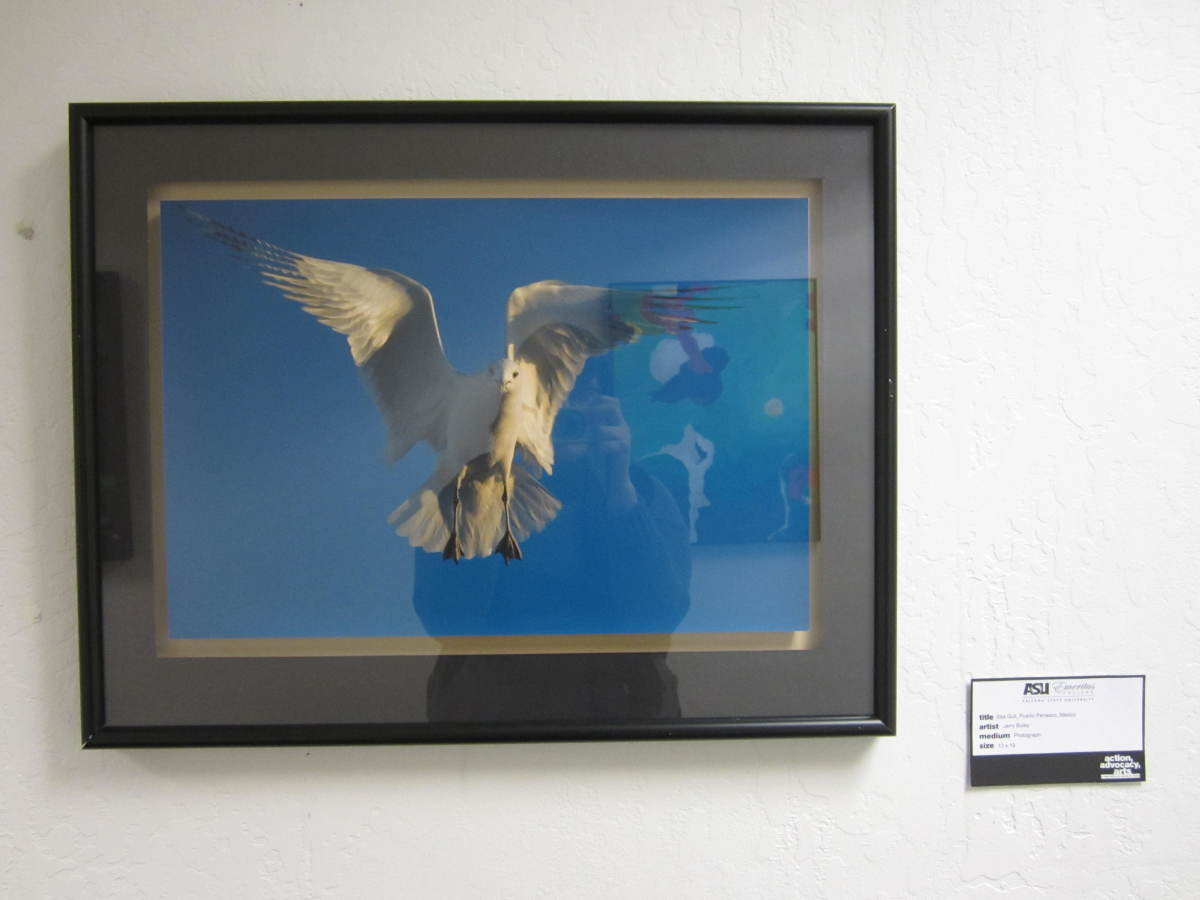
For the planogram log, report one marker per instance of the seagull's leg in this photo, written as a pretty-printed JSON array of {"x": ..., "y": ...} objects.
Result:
[
  {"x": 508, "y": 546},
  {"x": 453, "y": 549}
]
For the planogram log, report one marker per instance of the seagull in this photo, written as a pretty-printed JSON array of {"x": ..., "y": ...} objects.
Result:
[{"x": 491, "y": 430}]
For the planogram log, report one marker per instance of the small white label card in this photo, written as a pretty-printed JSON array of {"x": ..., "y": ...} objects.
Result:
[{"x": 1058, "y": 730}]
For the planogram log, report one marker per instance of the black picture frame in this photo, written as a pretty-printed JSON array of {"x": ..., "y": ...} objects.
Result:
[{"x": 135, "y": 695}]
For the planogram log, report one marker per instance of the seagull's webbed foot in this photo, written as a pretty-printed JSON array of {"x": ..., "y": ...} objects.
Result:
[
  {"x": 453, "y": 549},
  {"x": 508, "y": 547}
]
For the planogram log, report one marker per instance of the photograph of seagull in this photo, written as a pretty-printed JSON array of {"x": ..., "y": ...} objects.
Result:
[{"x": 491, "y": 430}]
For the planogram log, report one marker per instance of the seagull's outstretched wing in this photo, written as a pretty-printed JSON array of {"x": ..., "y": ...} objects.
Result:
[
  {"x": 388, "y": 321},
  {"x": 555, "y": 327}
]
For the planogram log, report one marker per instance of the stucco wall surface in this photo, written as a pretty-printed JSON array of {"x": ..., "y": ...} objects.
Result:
[{"x": 1049, "y": 466}]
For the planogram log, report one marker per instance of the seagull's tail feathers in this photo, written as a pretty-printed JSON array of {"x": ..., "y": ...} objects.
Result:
[
  {"x": 531, "y": 506},
  {"x": 481, "y": 515},
  {"x": 424, "y": 518}
]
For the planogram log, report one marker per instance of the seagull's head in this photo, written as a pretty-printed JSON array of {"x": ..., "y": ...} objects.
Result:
[{"x": 505, "y": 371}]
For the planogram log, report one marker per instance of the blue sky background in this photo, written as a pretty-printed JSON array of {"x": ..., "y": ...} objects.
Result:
[{"x": 277, "y": 492}]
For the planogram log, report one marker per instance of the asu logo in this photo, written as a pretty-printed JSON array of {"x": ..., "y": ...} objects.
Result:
[{"x": 1036, "y": 687}]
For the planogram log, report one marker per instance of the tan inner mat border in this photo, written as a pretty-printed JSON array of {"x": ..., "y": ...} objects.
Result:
[{"x": 460, "y": 188}]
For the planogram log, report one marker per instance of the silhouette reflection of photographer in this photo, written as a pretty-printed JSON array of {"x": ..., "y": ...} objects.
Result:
[{"x": 615, "y": 560}]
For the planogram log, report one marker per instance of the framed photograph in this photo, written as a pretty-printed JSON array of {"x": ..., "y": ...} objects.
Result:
[{"x": 405, "y": 422}]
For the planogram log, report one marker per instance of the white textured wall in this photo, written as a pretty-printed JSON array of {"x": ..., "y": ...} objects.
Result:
[{"x": 1049, "y": 463}]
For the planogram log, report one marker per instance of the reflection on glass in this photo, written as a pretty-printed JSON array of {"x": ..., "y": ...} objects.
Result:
[{"x": 614, "y": 560}]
